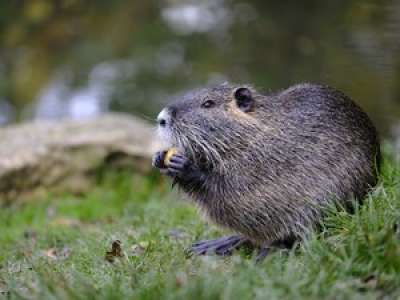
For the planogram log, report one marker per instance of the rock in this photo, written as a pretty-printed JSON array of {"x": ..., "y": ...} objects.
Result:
[{"x": 64, "y": 155}]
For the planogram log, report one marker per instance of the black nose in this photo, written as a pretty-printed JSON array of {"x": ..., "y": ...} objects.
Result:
[{"x": 166, "y": 116}]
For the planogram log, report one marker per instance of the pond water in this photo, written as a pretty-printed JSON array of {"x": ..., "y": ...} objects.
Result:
[{"x": 76, "y": 59}]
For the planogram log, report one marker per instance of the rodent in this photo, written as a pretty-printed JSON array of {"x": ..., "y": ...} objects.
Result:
[{"x": 267, "y": 165}]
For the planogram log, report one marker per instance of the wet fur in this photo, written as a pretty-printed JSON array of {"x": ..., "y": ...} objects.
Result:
[{"x": 269, "y": 173}]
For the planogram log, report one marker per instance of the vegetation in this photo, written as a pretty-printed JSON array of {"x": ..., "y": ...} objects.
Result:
[
  {"x": 127, "y": 237},
  {"x": 141, "y": 52},
  {"x": 60, "y": 247}
]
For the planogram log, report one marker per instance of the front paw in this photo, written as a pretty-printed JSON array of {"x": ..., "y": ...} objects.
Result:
[
  {"x": 177, "y": 166},
  {"x": 158, "y": 160}
]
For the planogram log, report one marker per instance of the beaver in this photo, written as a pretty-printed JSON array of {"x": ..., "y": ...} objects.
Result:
[{"x": 267, "y": 165}]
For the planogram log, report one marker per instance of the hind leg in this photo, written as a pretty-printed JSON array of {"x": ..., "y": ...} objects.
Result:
[{"x": 223, "y": 246}]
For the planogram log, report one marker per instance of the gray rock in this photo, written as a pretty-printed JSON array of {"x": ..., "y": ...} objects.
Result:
[{"x": 63, "y": 156}]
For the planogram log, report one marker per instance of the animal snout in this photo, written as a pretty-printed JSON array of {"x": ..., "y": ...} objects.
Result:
[{"x": 164, "y": 118}]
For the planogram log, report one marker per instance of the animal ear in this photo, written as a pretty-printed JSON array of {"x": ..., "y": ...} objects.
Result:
[{"x": 244, "y": 99}]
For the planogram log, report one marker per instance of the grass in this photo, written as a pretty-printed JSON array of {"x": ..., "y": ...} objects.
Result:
[{"x": 55, "y": 248}]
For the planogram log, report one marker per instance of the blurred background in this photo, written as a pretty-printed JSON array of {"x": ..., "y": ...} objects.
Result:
[{"x": 71, "y": 58}]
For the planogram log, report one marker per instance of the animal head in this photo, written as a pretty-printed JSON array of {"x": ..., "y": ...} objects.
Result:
[{"x": 212, "y": 122}]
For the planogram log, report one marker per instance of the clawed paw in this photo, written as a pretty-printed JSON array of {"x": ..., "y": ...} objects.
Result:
[
  {"x": 223, "y": 246},
  {"x": 158, "y": 159},
  {"x": 176, "y": 165}
]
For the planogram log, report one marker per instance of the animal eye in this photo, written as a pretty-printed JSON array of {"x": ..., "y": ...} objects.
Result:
[{"x": 208, "y": 104}]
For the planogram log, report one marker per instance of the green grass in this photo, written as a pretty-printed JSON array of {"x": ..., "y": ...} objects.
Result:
[{"x": 55, "y": 249}]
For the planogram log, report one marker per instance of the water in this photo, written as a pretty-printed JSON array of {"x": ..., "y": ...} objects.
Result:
[{"x": 75, "y": 59}]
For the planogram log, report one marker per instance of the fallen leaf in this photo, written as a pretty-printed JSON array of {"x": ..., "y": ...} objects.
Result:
[
  {"x": 51, "y": 253},
  {"x": 57, "y": 254},
  {"x": 139, "y": 248},
  {"x": 116, "y": 251}
]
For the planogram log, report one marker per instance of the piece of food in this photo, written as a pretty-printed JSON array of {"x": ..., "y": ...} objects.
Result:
[{"x": 169, "y": 155}]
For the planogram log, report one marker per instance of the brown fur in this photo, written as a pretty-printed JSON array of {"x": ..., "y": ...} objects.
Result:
[{"x": 269, "y": 173}]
